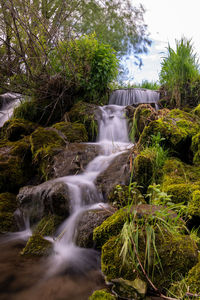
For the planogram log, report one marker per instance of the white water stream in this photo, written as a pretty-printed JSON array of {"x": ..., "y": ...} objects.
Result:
[
  {"x": 113, "y": 139},
  {"x": 9, "y": 102}
]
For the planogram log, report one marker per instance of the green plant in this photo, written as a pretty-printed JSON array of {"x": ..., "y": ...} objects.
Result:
[{"x": 179, "y": 68}]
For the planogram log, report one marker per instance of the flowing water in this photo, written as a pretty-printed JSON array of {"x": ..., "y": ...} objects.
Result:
[
  {"x": 113, "y": 140},
  {"x": 8, "y": 102},
  {"x": 136, "y": 96}
]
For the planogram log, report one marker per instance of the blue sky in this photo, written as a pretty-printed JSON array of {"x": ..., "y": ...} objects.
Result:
[{"x": 167, "y": 21}]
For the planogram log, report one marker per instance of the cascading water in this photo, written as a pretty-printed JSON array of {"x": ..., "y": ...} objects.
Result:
[
  {"x": 8, "y": 102},
  {"x": 136, "y": 96},
  {"x": 113, "y": 139}
]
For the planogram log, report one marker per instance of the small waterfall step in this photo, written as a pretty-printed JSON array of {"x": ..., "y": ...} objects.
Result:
[{"x": 134, "y": 96}]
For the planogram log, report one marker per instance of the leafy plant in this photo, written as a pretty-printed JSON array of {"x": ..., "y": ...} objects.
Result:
[{"x": 179, "y": 68}]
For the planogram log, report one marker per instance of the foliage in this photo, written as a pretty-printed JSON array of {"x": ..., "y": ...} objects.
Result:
[
  {"x": 87, "y": 63},
  {"x": 179, "y": 68}
]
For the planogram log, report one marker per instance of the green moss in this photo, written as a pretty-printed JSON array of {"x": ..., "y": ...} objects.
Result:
[
  {"x": 15, "y": 129},
  {"x": 110, "y": 227},
  {"x": 196, "y": 111},
  {"x": 48, "y": 225},
  {"x": 177, "y": 129},
  {"x": 7, "y": 222},
  {"x": 122, "y": 195},
  {"x": 144, "y": 168},
  {"x": 8, "y": 202},
  {"x": 74, "y": 132},
  {"x": 194, "y": 204},
  {"x": 15, "y": 162},
  {"x": 102, "y": 295},
  {"x": 180, "y": 193},
  {"x": 195, "y": 147},
  {"x": 45, "y": 142},
  {"x": 37, "y": 246},
  {"x": 177, "y": 253},
  {"x": 84, "y": 113},
  {"x": 193, "y": 279}
]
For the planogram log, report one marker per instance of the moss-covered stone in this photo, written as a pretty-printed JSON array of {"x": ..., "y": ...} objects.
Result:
[
  {"x": 73, "y": 132},
  {"x": 123, "y": 195},
  {"x": 144, "y": 168},
  {"x": 45, "y": 142},
  {"x": 180, "y": 193},
  {"x": 15, "y": 129},
  {"x": 15, "y": 165},
  {"x": 110, "y": 227},
  {"x": 193, "y": 279},
  {"x": 37, "y": 246},
  {"x": 8, "y": 205},
  {"x": 102, "y": 295},
  {"x": 177, "y": 253},
  {"x": 195, "y": 147},
  {"x": 177, "y": 128},
  {"x": 48, "y": 225},
  {"x": 85, "y": 113},
  {"x": 194, "y": 204},
  {"x": 196, "y": 111}
]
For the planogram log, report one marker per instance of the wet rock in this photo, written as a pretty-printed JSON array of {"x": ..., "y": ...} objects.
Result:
[
  {"x": 72, "y": 160},
  {"x": 8, "y": 205},
  {"x": 37, "y": 246},
  {"x": 16, "y": 129},
  {"x": 118, "y": 172},
  {"x": 87, "y": 114},
  {"x": 73, "y": 132},
  {"x": 47, "y": 198},
  {"x": 15, "y": 164},
  {"x": 90, "y": 220}
]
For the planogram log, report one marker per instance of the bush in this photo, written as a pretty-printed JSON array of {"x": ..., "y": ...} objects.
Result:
[
  {"x": 180, "y": 71},
  {"x": 86, "y": 64}
]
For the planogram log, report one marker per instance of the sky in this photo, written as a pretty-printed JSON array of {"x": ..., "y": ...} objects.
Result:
[{"x": 167, "y": 20}]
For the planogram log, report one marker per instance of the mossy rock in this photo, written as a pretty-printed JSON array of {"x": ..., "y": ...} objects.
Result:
[
  {"x": 194, "y": 204},
  {"x": 180, "y": 193},
  {"x": 196, "y": 111},
  {"x": 144, "y": 168},
  {"x": 37, "y": 246},
  {"x": 48, "y": 225},
  {"x": 102, "y": 295},
  {"x": 8, "y": 205},
  {"x": 16, "y": 129},
  {"x": 123, "y": 195},
  {"x": 45, "y": 143},
  {"x": 110, "y": 227},
  {"x": 177, "y": 128},
  {"x": 144, "y": 113},
  {"x": 85, "y": 113},
  {"x": 193, "y": 279},
  {"x": 15, "y": 165},
  {"x": 73, "y": 132},
  {"x": 177, "y": 253},
  {"x": 195, "y": 147}
]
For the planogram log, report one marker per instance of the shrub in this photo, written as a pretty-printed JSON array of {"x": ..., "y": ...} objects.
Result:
[{"x": 180, "y": 70}]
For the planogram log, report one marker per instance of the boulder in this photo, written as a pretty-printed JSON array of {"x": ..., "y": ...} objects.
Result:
[
  {"x": 37, "y": 246},
  {"x": 87, "y": 114},
  {"x": 118, "y": 172},
  {"x": 73, "y": 132},
  {"x": 50, "y": 197},
  {"x": 89, "y": 221},
  {"x": 16, "y": 129}
]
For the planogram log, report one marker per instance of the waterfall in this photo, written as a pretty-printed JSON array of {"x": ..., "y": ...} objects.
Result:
[
  {"x": 113, "y": 140},
  {"x": 136, "y": 96},
  {"x": 8, "y": 102}
]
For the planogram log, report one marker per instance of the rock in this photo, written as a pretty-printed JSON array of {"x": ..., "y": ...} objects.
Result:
[
  {"x": 16, "y": 129},
  {"x": 48, "y": 225},
  {"x": 177, "y": 252},
  {"x": 72, "y": 160},
  {"x": 45, "y": 143},
  {"x": 37, "y": 246},
  {"x": 177, "y": 129},
  {"x": 118, "y": 172},
  {"x": 73, "y": 132},
  {"x": 50, "y": 197},
  {"x": 15, "y": 165},
  {"x": 90, "y": 220},
  {"x": 102, "y": 295},
  {"x": 195, "y": 147},
  {"x": 8, "y": 205},
  {"x": 87, "y": 114}
]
